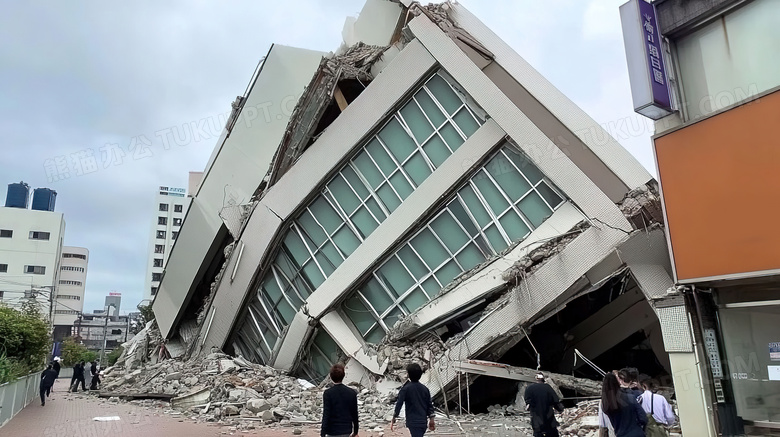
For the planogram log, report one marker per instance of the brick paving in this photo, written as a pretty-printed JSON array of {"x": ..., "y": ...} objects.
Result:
[{"x": 72, "y": 415}]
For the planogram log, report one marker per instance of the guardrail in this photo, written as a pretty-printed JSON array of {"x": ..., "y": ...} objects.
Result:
[{"x": 18, "y": 394}]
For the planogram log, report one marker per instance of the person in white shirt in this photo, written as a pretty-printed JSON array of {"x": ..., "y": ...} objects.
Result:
[{"x": 662, "y": 411}]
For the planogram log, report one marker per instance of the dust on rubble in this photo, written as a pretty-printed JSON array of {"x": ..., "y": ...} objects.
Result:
[{"x": 247, "y": 397}]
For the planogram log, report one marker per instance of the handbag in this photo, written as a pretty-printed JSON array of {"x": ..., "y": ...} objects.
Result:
[{"x": 653, "y": 428}]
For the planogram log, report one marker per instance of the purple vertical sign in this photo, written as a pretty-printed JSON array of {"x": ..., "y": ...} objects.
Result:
[
  {"x": 644, "y": 56},
  {"x": 654, "y": 53}
]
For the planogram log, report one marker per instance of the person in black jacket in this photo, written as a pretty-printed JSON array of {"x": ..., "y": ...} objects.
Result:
[
  {"x": 541, "y": 399},
  {"x": 93, "y": 384},
  {"x": 339, "y": 407},
  {"x": 47, "y": 381},
  {"x": 628, "y": 377},
  {"x": 419, "y": 407},
  {"x": 56, "y": 365},
  {"x": 627, "y": 417},
  {"x": 78, "y": 376}
]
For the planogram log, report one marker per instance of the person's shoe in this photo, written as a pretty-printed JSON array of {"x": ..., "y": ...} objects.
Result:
[{"x": 43, "y": 404}]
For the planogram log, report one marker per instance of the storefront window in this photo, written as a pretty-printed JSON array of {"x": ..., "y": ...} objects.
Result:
[
  {"x": 731, "y": 59},
  {"x": 752, "y": 341}
]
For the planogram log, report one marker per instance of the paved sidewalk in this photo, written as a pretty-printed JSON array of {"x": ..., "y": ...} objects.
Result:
[{"x": 71, "y": 415}]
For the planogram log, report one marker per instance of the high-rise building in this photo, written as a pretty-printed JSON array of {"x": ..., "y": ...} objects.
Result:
[
  {"x": 708, "y": 73},
  {"x": 18, "y": 195},
  {"x": 69, "y": 291},
  {"x": 44, "y": 199},
  {"x": 31, "y": 245},
  {"x": 113, "y": 303},
  {"x": 170, "y": 206}
]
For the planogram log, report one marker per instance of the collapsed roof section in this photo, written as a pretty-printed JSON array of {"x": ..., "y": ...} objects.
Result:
[{"x": 338, "y": 81}]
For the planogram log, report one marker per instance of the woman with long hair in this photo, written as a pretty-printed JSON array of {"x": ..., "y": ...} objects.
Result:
[{"x": 627, "y": 417}]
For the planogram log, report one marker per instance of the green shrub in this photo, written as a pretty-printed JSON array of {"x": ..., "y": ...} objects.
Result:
[
  {"x": 114, "y": 355},
  {"x": 73, "y": 352},
  {"x": 24, "y": 341}
]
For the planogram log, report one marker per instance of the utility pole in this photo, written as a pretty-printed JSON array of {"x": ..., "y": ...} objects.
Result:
[{"x": 105, "y": 332}]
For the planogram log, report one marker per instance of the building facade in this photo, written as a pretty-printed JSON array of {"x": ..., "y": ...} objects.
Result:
[
  {"x": 171, "y": 206},
  {"x": 104, "y": 330},
  {"x": 429, "y": 186},
  {"x": 31, "y": 244},
  {"x": 71, "y": 285},
  {"x": 717, "y": 158}
]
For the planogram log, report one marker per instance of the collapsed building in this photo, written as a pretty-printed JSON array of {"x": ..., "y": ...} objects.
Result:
[{"x": 422, "y": 188}]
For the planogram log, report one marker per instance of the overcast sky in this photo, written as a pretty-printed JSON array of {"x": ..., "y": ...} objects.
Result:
[{"x": 85, "y": 86}]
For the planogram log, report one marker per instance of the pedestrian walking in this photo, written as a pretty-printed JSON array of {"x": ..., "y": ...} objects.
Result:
[
  {"x": 94, "y": 370},
  {"x": 541, "y": 399},
  {"x": 48, "y": 377},
  {"x": 56, "y": 366},
  {"x": 621, "y": 409},
  {"x": 659, "y": 412},
  {"x": 339, "y": 407},
  {"x": 419, "y": 407},
  {"x": 78, "y": 376}
]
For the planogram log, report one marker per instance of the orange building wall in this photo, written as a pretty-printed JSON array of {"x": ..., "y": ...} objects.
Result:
[{"x": 721, "y": 185}]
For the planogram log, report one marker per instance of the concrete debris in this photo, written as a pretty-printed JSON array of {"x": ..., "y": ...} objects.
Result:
[
  {"x": 402, "y": 353},
  {"x": 204, "y": 309},
  {"x": 354, "y": 64},
  {"x": 536, "y": 258},
  {"x": 581, "y": 421},
  {"x": 231, "y": 390},
  {"x": 642, "y": 206},
  {"x": 135, "y": 352}
]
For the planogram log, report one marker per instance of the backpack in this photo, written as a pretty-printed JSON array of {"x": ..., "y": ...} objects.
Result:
[{"x": 653, "y": 428}]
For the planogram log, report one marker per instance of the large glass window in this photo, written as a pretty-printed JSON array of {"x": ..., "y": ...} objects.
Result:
[
  {"x": 411, "y": 144},
  {"x": 322, "y": 353},
  {"x": 731, "y": 59},
  {"x": 256, "y": 338},
  {"x": 501, "y": 204},
  {"x": 753, "y": 353}
]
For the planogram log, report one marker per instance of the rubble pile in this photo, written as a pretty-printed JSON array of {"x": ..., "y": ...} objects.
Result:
[
  {"x": 536, "y": 257},
  {"x": 235, "y": 392},
  {"x": 401, "y": 354},
  {"x": 642, "y": 206},
  {"x": 582, "y": 420}
]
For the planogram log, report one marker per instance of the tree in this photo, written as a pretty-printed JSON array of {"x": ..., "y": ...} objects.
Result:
[
  {"x": 147, "y": 314},
  {"x": 114, "y": 355},
  {"x": 24, "y": 341},
  {"x": 73, "y": 352}
]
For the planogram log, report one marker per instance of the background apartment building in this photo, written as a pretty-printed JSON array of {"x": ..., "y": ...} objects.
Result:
[
  {"x": 69, "y": 295},
  {"x": 709, "y": 74},
  {"x": 104, "y": 330},
  {"x": 31, "y": 243},
  {"x": 171, "y": 207}
]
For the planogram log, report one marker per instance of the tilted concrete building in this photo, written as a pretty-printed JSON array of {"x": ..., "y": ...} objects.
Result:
[{"x": 428, "y": 183}]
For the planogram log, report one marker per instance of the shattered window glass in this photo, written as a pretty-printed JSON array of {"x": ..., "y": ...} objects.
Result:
[{"x": 501, "y": 204}]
